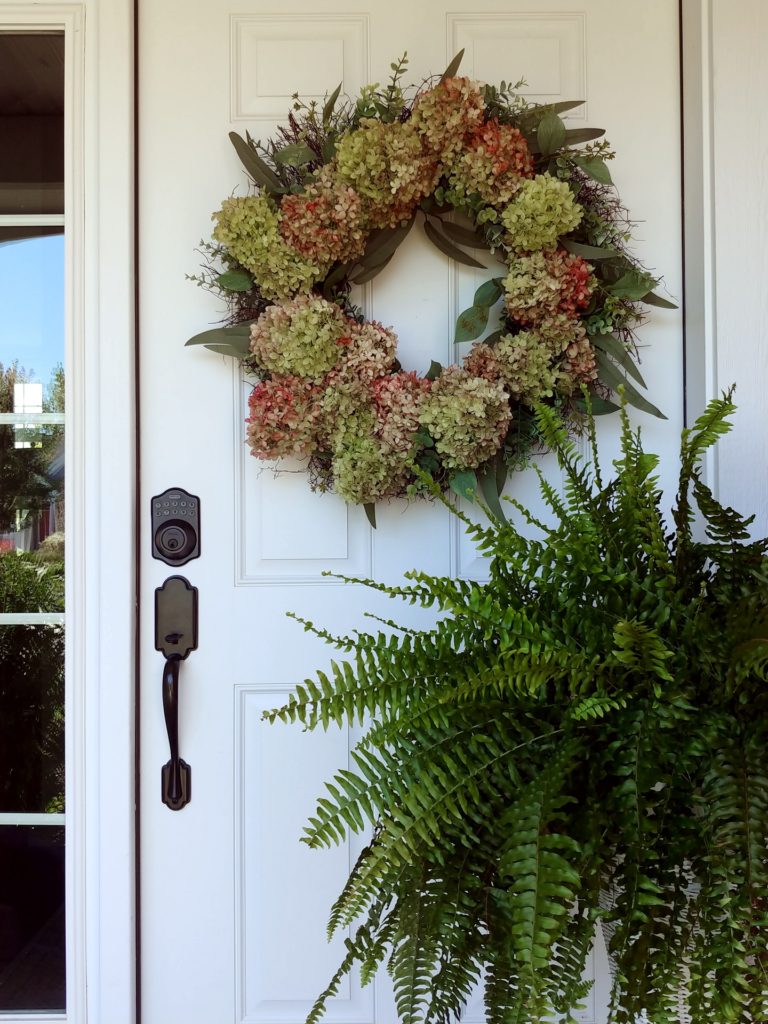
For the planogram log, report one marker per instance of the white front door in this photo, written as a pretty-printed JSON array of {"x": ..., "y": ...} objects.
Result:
[{"x": 233, "y": 906}]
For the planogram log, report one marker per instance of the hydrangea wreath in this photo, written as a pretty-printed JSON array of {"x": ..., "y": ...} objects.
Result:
[{"x": 335, "y": 193}]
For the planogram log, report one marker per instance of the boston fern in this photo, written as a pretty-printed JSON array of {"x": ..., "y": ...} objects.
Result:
[{"x": 581, "y": 739}]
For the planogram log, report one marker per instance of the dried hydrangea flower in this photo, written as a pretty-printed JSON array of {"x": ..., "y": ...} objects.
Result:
[
  {"x": 578, "y": 366},
  {"x": 446, "y": 115},
  {"x": 326, "y": 224},
  {"x": 365, "y": 470},
  {"x": 467, "y": 417},
  {"x": 284, "y": 417},
  {"x": 544, "y": 284},
  {"x": 249, "y": 228},
  {"x": 493, "y": 164},
  {"x": 388, "y": 167},
  {"x": 302, "y": 336},
  {"x": 371, "y": 350},
  {"x": 542, "y": 210},
  {"x": 398, "y": 400}
]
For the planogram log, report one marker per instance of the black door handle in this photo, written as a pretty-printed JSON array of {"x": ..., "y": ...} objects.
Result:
[
  {"x": 175, "y": 637},
  {"x": 177, "y": 775}
]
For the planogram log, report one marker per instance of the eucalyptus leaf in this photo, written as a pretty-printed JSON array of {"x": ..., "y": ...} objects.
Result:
[
  {"x": 588, "y": 252},
  {"x": 434, "y": 371},
  {"x": 453, "y": 67},
  {"x": 368, "y": 274},
  {"x": 575, "y": 136},
  {"x": 550, "y": 134},
  {"x": 489, "y": 292},
  {"x": 464, "y": 483},
  {"x": 237, "y": 337},
  {"x": 261, "y": 173},
  {"x": 471, "y": 323},
  {"x": 611, "y": 375},
  {"x": 382, "y": 243},
  {"x": 370, "y": 513},
  {"x": 616, "y": 348},
  {"x": 561, "y": 107},
  {"x": 600, "y": 406},
  {"x": 595, "y": 168},
  {"x": 295, "y": 155},
  {"x": 633, "y": 285},
  {"x": 465, "y": 236},
  {"x": 235, "y": 280},
  {"x": 446, "y": 246},
  {"x": 330, "y": 103},
  {"x": 488, "y": 477},
  {"x": 652, "y": 299}
]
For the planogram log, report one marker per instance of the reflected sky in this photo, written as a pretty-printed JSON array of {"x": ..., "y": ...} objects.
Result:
[{"x": 32, "y": 304}]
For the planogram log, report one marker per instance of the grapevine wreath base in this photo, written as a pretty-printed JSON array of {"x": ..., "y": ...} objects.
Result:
[{"x": 335, "y": 193}]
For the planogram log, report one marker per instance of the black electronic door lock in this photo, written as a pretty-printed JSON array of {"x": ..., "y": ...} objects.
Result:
[{"x": 175, "y": 526}]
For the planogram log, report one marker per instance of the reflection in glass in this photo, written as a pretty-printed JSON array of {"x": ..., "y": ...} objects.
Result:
[
  {"x": 31, "y": 713},
  {"x": 32, "y": 918},
  {"x": 32, "y": 397},
  {"x": 32, "y": 122}
]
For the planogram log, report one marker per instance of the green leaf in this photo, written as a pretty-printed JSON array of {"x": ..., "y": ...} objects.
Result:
[
  {"x": 550, "y": 134},
  {"x": 595, "y": 168},
  {"x": 422, "y": 438},
  {"x": 600, "y": 406},
  {"x": 464, "y": 483},
  {"x": 561, "y": 107},
  {"x": 489, "y": 292},
  {"x": 615, "y": 347},
  {"x": 370, "y": 513},
  {"x": 445, "y": 246},
  {"x": 330, "y": 103},
  {"x": 652, "y": 299},
  {"x": 588, "y": 252},
  {"x": 471, "y": 323},
  {"x": 295, "y": 155},
  {"x": 255, "y": 166},
  {"x": 235, "y": 338},
  {"x": 464, "y": 236},
  {"x": 575, "y": 136},
  {"x": 635, "y": 284},
  {"x": 366, "y": 275},
  {"x": 494, "y": 338},
  {"x": 490, "y": 476},
  {"x": 328, "y": 150},
  {"x": 235, "y": 280},
  {"x": 453, "y": 67},
  {"x": 382, "y": 243},
  {"x": 611, "y": 375},
  {"x": 434, "y": 371}
]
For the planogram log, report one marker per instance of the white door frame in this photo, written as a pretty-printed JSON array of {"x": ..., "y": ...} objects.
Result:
[{"x": 101, "y": 453}]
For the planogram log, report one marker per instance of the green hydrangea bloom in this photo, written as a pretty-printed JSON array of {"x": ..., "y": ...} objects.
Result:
[
  {"x": 466, "y": 416},
  {"x": 542, "y": 210},
  {"x": 249, "y": 227},
  {"x": 364, "y": 470},
  {"x": 302, "y": 337}
]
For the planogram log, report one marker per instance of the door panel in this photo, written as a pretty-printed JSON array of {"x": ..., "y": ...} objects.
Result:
[{"x": 233, "y": 907}]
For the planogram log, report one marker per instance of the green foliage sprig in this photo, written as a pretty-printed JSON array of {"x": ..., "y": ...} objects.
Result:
[{"x": 581, "y": 739}]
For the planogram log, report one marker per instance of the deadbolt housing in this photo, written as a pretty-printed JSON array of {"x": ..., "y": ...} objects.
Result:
[{"x": 175, "y": 526}]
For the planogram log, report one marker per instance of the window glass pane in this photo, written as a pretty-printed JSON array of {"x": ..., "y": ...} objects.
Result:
[
  {"x": 32, "y": 398},
  {"x": 32, "y": 918},
  {"x": 31, "y": 123},
  {"x": 31, "y": 714}
]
